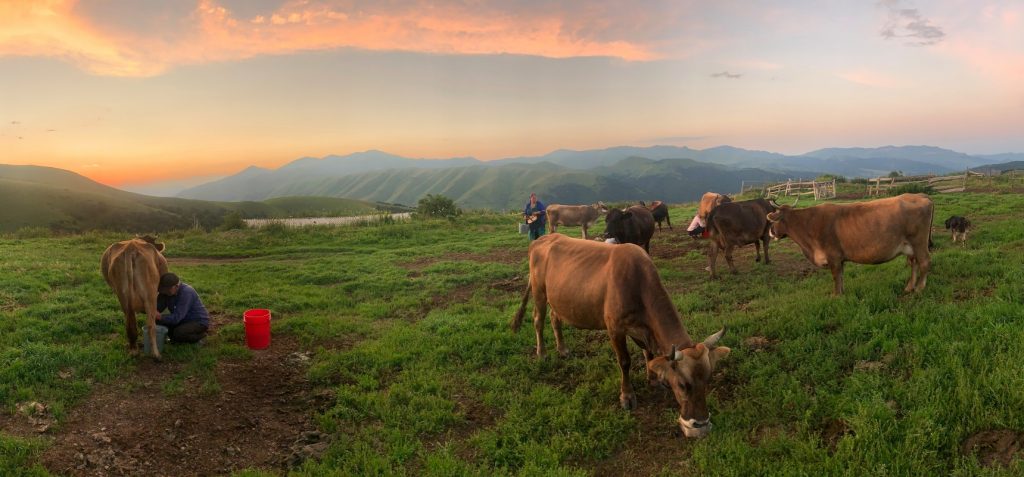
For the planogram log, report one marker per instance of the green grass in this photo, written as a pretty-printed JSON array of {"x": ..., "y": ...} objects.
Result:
[{"x": 430, "y": 381}]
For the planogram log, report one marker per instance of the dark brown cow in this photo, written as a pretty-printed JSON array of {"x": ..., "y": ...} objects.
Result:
[
  {"x": 599, "y": 286},
  {"x": 132, "y": 269},
  {"x": 735, "y": 224},
  {"x": 870, "y": 232},
  {"x": 633, "y": 225},
  {"x": 659, "y": 210}
]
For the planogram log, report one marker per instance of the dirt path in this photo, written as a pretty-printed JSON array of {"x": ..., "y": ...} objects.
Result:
[{"x": 262, "y": 417}]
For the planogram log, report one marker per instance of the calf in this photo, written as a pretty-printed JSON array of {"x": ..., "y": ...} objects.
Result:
[
  {"x": 616, "y": 288},
  {"x": 633, "y": 225},
  {"x": 959, "y": 226},
  {"x": 660, "y": 212},
  {"x": 735, "y": 224},
  {"x": 584, "y": 215}
]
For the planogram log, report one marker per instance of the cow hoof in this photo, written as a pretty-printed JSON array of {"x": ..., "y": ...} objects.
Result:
[
  {"x": 628, "y": 401},
  {"x": 564, "y": 353}
]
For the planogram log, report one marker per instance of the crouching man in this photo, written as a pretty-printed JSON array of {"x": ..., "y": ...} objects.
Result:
[{"x": 187, "y": 320}]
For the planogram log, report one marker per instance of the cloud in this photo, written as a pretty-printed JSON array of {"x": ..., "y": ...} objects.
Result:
[
  {"x": 726, "y": 74},
  {"x": 148, "y": 37},
  {"x": 908, "y": 23}
]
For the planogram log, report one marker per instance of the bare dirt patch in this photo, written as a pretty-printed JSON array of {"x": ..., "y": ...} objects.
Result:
[
  {"x": 758, "y": 344},
  {"x": 261, "y": 417},
  {"x": 832, "y": 432},
  {"x": 994, "y": 447}
]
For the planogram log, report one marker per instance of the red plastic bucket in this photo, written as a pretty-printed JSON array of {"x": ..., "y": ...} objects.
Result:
[
  {"x": 705, "y": 234},
  {"x": 257, "y": 328}
]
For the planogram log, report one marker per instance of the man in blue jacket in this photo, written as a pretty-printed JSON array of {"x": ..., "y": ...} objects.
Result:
[
  {"x": 535, "y": 214},
  {"x": 188, "y": 320}
]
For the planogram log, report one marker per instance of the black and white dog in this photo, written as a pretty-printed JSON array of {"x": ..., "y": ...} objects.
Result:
[{"x": 959, "y": 226}]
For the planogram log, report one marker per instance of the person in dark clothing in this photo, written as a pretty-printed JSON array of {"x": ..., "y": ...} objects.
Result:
[
  {"x": 535, "y": 214},
  {"x": 187, "y": 320}
]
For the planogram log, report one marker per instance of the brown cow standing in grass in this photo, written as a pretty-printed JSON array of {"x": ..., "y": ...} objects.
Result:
[
  {"x": 870, "y": 232},
  {"x": 584, "y": 215},
  {"x": 599, "y": 286},
  {"x": 133, "y": 268}
]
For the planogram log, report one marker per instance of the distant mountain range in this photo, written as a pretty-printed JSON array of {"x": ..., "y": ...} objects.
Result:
[
  {"x": 669, "y": 173},
  {"x": 60, "y": 200}
]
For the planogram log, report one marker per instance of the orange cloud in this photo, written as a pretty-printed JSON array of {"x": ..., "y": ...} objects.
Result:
[{"x": 210, "y": 32}]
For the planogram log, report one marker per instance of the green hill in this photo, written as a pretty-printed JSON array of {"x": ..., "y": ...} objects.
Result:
[{"x": 35, "y": 196}]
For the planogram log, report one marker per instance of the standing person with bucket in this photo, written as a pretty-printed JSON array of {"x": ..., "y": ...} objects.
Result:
[
  {"x": 535, "y": 215},
  {"x": 188, "y": 320}
]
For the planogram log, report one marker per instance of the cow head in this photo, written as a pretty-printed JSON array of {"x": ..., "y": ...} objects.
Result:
[
  {"x": 600, "y": 207},
  {"x": 777, "y": 222},
  {"x": 687, "y": 373},
  {"x": 152, "y": 241},
  {"x": 615, "y": 223}
]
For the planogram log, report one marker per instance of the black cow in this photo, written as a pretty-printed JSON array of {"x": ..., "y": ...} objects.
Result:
[
  {"x": 660, "y": 212},
  {"x": 633, "y": 225},
  {"x": 959, "y": 226},
  {"x": 734, "y": 224}
]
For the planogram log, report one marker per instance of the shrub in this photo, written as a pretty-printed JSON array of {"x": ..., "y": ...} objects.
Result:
[
  {"x": 912, "y": 188},
  {"x": 232, "y": 221},
  {"x": 438, "y": 206},
  {"x": 895, "y": 174}
]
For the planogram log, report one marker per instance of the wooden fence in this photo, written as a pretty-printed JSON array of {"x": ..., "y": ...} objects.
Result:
[
  {"x": 942, "y": 184},
  {"x": 820, "y": 190}
]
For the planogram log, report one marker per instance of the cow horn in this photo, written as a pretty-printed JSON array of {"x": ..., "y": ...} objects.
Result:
[
  {"x": 712, "y": 340},
  {"x": 672, "y": 354}
]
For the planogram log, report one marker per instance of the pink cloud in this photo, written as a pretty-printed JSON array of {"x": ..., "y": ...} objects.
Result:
[{"x": 108, "y": 40}]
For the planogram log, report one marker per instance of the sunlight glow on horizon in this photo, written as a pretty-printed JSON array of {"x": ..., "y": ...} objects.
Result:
[{"x": 137, "y": 91}]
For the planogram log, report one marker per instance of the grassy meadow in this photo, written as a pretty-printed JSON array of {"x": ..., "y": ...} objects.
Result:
[{"x": 408, "y": 328}]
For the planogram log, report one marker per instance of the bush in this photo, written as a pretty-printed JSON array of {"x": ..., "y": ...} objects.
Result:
[
  {"x": 233, "y": 221},
  {"x": 438, "y": 206},
  {"x": 896, "y": 174},
  {"x": 913, "y": 188}
]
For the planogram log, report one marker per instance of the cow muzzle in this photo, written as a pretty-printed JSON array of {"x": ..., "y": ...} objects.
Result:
[{"x": 694, "y": 428}]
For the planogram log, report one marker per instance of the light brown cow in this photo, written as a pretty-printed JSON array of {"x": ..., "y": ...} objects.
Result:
[
  {"x": 870, "y": 232},
  {"x": 708, "y": 202},
  {"x": 585, "y": 215},
  {"x": 133, "y": 268},
  {"x": 599, "y": 286}
]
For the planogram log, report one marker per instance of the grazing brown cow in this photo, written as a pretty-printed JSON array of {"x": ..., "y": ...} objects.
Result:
[
  {"x": 659, "y": 210},
  {"x": 599, "y": 286},
  {"x": 133, "y": 268},
  {"x": 870, "y": 232},
  {"x": 633, "y": 225},
  {"x": 585, "y": 215},
  {"x": 708, "y": 202},
  {"x": 735, "y": 224}
]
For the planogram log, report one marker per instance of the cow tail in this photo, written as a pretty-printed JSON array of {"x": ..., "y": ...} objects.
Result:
[
  {"x": 517, "y": 321},
  {"x": 129, "y": 276},
  {"x": 931, "y": 220}
]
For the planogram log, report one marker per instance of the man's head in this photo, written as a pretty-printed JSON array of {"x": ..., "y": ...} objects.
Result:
[
  {"x": 168, "y": 284},
  {"x": 533, "y": 197}
]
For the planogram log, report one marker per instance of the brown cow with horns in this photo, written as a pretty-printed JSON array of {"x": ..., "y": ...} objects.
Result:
[
  {"x": 133, "y": 268},
  {"x": 599, "y": 286},
  {"x": 870, "y": 232}
]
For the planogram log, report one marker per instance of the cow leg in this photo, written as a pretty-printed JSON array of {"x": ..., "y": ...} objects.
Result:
[
  {"x": 924, "y": 263},
  {"x": 837, "y": 276},
  {"x": 540, "y": 308},
  {"x": 669, "y": 220},
  {"x": 626, "y": 397},
  {"x": 647, "y": 247},
  {"x": 766, "y": 239},
  {"x": 757, "y": 246},
  {"x": 728, "y": 259},
  {"x": 131, "y": 331},
  {"x": 556, "y": 327},
  {"x": 584, "y": 231},
  {"x": 648, "y": 356},
  {"x": 712, "y": 258},
  {"x": 912, "y": 263}
]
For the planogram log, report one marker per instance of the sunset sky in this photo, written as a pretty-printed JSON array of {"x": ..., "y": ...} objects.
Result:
[{"x": 135, "y": 91}]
